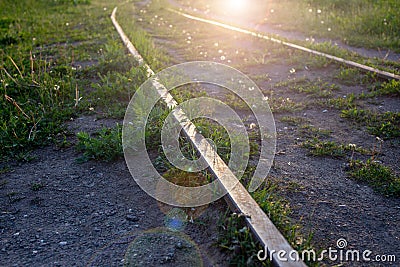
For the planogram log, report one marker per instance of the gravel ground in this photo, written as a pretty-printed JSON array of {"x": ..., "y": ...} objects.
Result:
[{"x": 58, "y": 212}]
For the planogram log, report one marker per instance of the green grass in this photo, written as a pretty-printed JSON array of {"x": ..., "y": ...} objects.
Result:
[
  {"x": 333, "y": 149},
  {"x": 324, "y": 148},
  {"x": 279, "y": 104},
  {"x": 342, "y": 102},
  {"x": 36, "y": 186},
  {"x": 389, "y": 88},
  {"x": 42, "y": 84},
  {"x": 365, "y": 23},
  {"x": 41, "y": 44},
  {"x": 310, "y": 131},
  {"x": 381, "y": 178},
  {"x": 235, "y": 236},
  {"x": 33, "y": 104},
  {"x": 106, "y": 145},
  {"x": 316, "y": 88},
  {"x": 384, "y": 125},
  {"x": 294, "y": 121},
  {"x": 372, "y": 172}
]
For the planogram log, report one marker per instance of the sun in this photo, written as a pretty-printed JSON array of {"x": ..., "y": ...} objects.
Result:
[{"x": 237, "y": 4}]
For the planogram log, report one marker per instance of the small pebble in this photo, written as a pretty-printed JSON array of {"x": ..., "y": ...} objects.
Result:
[{"x": 62, "y": 243}]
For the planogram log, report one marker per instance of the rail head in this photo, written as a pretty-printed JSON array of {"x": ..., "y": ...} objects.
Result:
[{"x": 261, "y": 226}]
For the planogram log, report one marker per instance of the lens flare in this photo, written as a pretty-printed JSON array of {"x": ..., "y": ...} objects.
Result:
[{"x": 237, "y": 4}]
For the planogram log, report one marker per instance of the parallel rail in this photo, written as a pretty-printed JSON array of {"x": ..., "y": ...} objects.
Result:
[
  {"x": 239, "y": 198},
  {"x": 381, "y": 73}
]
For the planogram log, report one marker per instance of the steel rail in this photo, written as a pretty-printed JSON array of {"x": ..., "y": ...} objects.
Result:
[
  {"x": 381, "y": 73},
  {"x": 259, "y": 223}
]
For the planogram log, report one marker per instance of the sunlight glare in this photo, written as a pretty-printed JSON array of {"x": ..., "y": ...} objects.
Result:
[{"x": 237, "y": 4}]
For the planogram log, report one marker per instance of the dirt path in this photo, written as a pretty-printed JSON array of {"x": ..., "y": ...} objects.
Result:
[{"x": 57, "y": 212}]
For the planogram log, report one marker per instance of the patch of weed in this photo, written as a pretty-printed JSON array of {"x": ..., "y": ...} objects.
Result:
[
  {"x": 106, "y": 145},
  {"x": 347, "y": 101},
  {"x": 278, "y": 210},
  {"x": 384, "y": 125},
  {"x": 308, "y": 130},
  {"x": 381, "y": 178},
  {"x": 38, "y": 75},
  {"x": 236, "y": 237},
  {"x": 391, "y": 88},
  {"x": 284, "y": 104},
  {"x": 324, "y": 148},
  {"x": 316, "y": 88},
  {"x": 319, "y": 147},
  {"x": 294, "y": 121},
  {"x": 349, "y": 76},
  {"x": 36, "y": 186}
]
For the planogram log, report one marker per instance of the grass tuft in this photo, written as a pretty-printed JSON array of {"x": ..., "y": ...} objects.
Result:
[
  {"x": 384, "y": 125},
  {"x": 106, "y": 146},
  {"x": 381, "y": 178}
]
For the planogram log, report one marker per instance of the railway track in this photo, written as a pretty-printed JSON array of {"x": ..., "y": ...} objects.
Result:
[
  {"x": 365, "y": 68},
  {"x": 239, "y": 198}
]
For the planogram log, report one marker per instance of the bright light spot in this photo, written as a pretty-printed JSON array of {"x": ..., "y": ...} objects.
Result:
[
  {"x": 322, "y": 22},
  {"x": 216, "y": 44},
  {"x": 319, "y": 11},
  {"x": 310, "y": 10},
  {"x": 220, "y": 51},
  {"x": 222, "y": 58},
  {"x": 292, "y": 70},
  {"x": 329, "y": 29},
  {"x": 272, "y": 11},
  {"x": 237, "y": 4}
]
